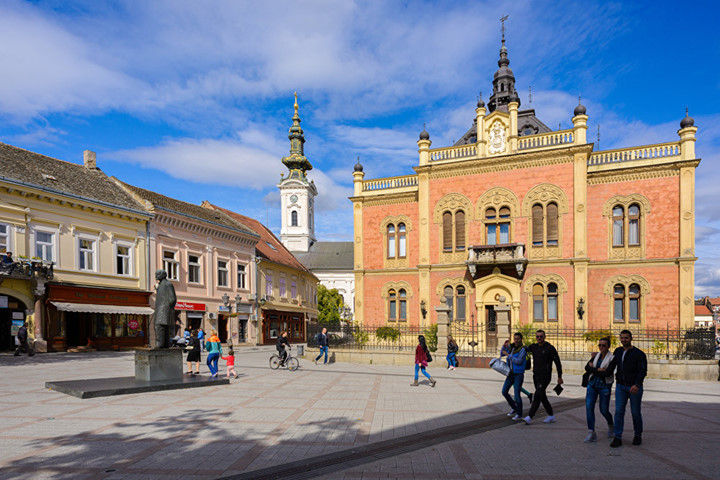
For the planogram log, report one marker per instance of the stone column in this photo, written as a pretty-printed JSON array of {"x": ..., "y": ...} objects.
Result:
[
  {"x": 443, "y": 323},
  {"x": 40, "y": 344},
  {"x": 502, "y": 319}
]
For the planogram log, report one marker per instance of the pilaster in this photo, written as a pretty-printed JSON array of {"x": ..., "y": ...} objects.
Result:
[
  {"x": 580, "y": 129},
  {"x": 580, "y": 230},
  {"x": 513, "y": 137},
  {"x": 482, "y": 141}
]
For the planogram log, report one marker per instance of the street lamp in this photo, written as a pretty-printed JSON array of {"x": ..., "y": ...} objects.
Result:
[
  {"x": 423, "y": 310},
  {"x": 226, "y": 299},
  {"x": 580, "y": 309}
]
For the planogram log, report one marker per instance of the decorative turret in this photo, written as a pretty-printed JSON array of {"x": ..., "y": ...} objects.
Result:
[
  {"x": 424, "y": 135},
  {"x": 503, "y": 81},
  {"x": 687, "y": 121},
  {"x": 358, "y": 165},
  {"x": 580, "y": 109},
  {"x": 296, "y": 160}
]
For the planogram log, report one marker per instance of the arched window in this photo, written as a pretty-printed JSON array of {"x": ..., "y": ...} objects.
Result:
[
  {"x": 456, "y": 301},
  {"x": 634, "y": 225},
  {"x": 552, "y": 302},
  {"x": 403, "y": 305},
  {"x": 545, "y": 225},
  {"x": 391, "y": 241},
  {"x": 497, "y": 225},
  {"x": 447, "y": 232},
  {"x": 293, "y": 218},
  {"x": 402, "y": 240},
  {"x": 634, "y": 301},
  {"x": 619, "y": 303},
  {"x": 459, "y": 230},
  {"x": 537, "y": 225},
  {"x": 545, "y": 302},
  {"x": 460, "y": 304},
  {"x": 538, "y": 303},
  {"x": 618, "y": 235},
  {"x": 551, "y": 215},
  {"x": 392, "y": 306}
]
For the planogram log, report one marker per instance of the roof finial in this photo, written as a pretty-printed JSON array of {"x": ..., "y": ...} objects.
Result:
[
  {"x": 530, "y": 95},
  {"x": 598, "y": 137},
  {"x": 503, "y": 27},
  {"x": 687, "y": 111},
  {"x": 296, "y": 104},
  {"x": 579, "y": 100}
]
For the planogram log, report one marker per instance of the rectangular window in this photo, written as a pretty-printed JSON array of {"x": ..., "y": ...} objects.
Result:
[
  {"x": 618, "y": 307},
  {"x": 401, "y": 246},
  {"x": 618, "y": 233},
  {"x": 293, "y": 289},
  {"x": 634, "y": 232},
  {"x": 4, "y": 238},
  {"x": 538, "y": 314},
  {"x": 268, "y": 283},
  {"x": 241, "y": 276},
  {"x": 170, "y": 264},
  {"x": 194, "y": 269},
  {"x": 123, "y": 260},
  {"x": 222, "y": 274},
  {"x": 281, "y": 287},
  {"x": 403, "y": 310},
  {"x": 44, "y": 245},
  {"x": 504, "y": 233},
  {"x": 552, "y": 309},
  {"x": 460, "y": 309},
  {"x": 86, "y": 254},
  {"x": 634, "y": 310},
  {"x": 391, "y": 315},
  {"x": 391, "y": 246},
  {"x": 491, "y": 237}
]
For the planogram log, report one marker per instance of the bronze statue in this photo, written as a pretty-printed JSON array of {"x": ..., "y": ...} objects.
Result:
[{"x": 164, "y": 318}]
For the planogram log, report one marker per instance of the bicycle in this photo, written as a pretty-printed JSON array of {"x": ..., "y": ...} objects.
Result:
[{"x": 291, "y": 362}]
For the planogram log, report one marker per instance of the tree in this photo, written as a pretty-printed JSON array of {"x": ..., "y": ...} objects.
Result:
[{"x": 329, "y": 300}]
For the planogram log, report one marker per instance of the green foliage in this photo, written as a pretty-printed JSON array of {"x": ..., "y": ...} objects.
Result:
[
  {"x": 431, "y": 337},
  {"x": 594, "y": 336},
  {"x": 389, "y": 334},
  {"x": 361, "y": 337},
  {"x": 328, "y": 302},
  {"x": 528, "y": 333},
  {"x": 658, "y": 348}
]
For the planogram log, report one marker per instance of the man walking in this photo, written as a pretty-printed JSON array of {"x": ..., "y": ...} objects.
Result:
[
  {"x": 543, "y": 357},
  {"x": 630, "y": 373},
  {"x": 322, "y": 341},
  {"x": 22, "y": 336}
]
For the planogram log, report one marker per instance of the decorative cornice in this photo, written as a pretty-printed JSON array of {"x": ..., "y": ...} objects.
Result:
[
  {"x": 545, "y": 280},
  {"x": 452, "y": 282},
  {"x": 639, "y": 173},
  {"x": 453, "y": 202},
  {"x": 545, "y": 193},
  {"x": 386, "y": 199},
  {"x": 627, "y": 280},
  {"x": 498, "y": 197}
]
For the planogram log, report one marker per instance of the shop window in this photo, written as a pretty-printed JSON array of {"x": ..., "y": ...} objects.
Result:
[
  {"x": 241, "y": 276},
  {"x": 222, "y": 273},
  {"x": 170, "y": 264},
  {"x": 103, "y": 325},
  {"x": 194, "y": 269}
]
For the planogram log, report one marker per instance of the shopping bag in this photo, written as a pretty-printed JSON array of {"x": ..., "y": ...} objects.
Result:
[{"x": 500, "y": 366}]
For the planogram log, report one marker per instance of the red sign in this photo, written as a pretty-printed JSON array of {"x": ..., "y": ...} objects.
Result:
[
  {"x": 133, "y": 324},
  {"x": 196, "y": 307}
]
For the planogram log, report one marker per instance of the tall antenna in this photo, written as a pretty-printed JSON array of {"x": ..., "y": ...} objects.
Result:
[
  {"x": 598, "y": 137},
  {"x": 530, "y": 96}
]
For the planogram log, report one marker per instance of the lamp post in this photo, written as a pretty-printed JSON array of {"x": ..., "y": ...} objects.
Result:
[{"x": 580, "y": 308}]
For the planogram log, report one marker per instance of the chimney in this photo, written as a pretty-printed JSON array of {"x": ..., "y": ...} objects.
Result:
[{"x": 89, "y": 160}]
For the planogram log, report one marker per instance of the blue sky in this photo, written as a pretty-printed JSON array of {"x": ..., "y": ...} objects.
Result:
[{"x": 193, "y": 98}]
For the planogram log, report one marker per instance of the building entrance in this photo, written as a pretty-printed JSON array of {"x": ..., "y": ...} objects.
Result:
[{"x": 12, "y": 316}]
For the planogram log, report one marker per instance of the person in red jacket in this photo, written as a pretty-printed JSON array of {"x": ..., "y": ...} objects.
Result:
[
  {"x": 421, "y": 361},
  {"x": 230, "y": 359}
]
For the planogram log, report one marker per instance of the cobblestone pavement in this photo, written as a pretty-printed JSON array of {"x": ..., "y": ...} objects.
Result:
[{"x": 338, "y": 421}]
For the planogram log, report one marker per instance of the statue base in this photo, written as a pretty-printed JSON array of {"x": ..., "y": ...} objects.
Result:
[{"x": 153, "y": 365}]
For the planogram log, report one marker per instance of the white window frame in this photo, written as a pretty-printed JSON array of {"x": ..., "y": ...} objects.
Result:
[
  {"x": 8, "y": 237},
  {"x": 242, "y": 277},
  {"x": 174, "y": 263},
  {"x": 226, "y": 270},
  {"x": 269, "y": 287},
  {"x": 130, "y": 258},
  {"x": 55, "y": 235},
  {"x": 199, "y": 268},
  {"x": 95, "y": 242},
  {"x": 282, "y": 286}
]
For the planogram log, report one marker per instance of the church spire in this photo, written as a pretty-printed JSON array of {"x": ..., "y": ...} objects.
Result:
[
  {"x": 296, "y": 160},
  {"x": 504, "y": 80}
]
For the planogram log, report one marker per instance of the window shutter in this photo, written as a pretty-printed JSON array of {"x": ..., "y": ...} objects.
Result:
[
  {"x": 460, "y": 230},
  {"x": 537, "y": 225},
  {"x": 447, "y": 231},
  {"x": 552, "y": 224}
]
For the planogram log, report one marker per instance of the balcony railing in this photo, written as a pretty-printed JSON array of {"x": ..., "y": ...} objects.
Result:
[
  {"x": 389, "y": 183},
  {"x": 543, "y": 140},
  {"x": 449, "y": 153},
  {"x": 507, "y": 253},
  {"x": 662, "y": 150},
  {"x": 26, "y": 269}
]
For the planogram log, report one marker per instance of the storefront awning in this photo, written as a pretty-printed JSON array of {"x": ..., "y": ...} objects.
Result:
[{"x": 91, "y": 308}]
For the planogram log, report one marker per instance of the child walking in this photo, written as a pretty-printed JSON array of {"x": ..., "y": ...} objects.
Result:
[{"x": 230, "y": 363}]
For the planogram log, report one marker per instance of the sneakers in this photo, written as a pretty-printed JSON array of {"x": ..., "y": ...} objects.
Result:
[
  {"x": 591, "y": 437},
  {"x": 550, "y": 419},
  {"x": 527, "y": 420},
  {"x": 616, "y": 443},
  {"x": 511, "y": 413},
  {"x": 432, "y": 382},
  {"x": 637, "y": 440},
  {"x": 517, "y": 417},
  {"x": 611, "y": 431},
  {"x": 452, "y": 368}
]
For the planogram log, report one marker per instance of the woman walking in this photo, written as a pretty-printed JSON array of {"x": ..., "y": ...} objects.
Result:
[
  {"x": 214, "y": 349},
  {"x": 516, "y": 359},
  {"x": 421, "y": 361},
  {"x": 600, "y": 368},
  {"x": 452, "y": 348},
  {"x": 193, "y": 356}
]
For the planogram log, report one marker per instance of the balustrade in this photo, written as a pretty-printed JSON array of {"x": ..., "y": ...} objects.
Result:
[
  {"x": 663, "y": 150},
  {"x": 449, "y": 153},
  {"x": 546, "y": 140},
  {"x": 388, "y": 183}
]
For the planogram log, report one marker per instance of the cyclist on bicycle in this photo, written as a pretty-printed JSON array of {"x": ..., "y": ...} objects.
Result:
[{"x": 282, "y": 345}]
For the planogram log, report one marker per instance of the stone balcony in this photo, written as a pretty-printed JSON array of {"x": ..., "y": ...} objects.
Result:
[
  {"x": 24, "y": 269},
  {"x": 509, "y": 258}
]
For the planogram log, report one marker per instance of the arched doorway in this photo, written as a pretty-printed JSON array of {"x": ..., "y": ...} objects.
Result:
[
  {"x": 488, "y": 293},
  {"x": 12, "y": 316}
]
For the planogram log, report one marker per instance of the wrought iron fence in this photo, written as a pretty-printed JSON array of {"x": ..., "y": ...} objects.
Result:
[{"x": 357, "y": 337}]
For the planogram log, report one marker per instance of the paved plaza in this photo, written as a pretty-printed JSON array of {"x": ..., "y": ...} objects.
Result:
[{"x": 339, "y": 421}]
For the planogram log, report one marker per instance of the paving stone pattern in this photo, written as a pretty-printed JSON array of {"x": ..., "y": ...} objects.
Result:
[{"x": 337, "y": 421}]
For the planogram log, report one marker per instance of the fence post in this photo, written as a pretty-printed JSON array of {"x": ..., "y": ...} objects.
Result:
[{"x": 443, "y": 323}]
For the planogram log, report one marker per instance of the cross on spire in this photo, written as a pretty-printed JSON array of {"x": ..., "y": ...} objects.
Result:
[{"x": 503, "y": 27}]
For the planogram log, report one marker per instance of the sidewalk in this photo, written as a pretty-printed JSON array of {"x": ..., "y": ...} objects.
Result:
[{"x": 328, "y": 422}]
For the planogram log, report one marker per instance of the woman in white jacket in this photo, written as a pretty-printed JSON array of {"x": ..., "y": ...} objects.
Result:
[{"x": 600, "y": 370}]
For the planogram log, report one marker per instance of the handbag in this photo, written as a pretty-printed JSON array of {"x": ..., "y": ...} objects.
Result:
[
  {"x": 585, "y": 379},
  {"x": 429, "y": 357},
  {"x": 499, "y": 366},
  {"x": 189, "y": 347}
]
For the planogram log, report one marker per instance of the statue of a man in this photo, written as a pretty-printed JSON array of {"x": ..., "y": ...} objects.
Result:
[{"x": 165, "y": 301}]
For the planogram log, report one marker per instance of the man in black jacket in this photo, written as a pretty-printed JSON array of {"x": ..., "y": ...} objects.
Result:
[
  {"x": 543, "y": 357},
  {"x": 22, "y": 336},
  {"x": 322, "y": 341},
  {"x": 630, "y": 373}
]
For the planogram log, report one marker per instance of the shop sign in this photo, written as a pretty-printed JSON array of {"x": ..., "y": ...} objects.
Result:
[
  {"x": 223, "y": 308},
  {"x": 134, "y": 324},
  {"x": 196, "y": 307},
  {"x": 16, "y": 324},
  {"x": 18, "y": 315},
  {"x": 3, "y": 301}
]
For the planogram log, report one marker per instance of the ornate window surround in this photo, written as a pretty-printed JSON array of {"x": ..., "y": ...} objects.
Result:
[
  {"x": 626, "y": 251},
  {"x": 626, "y": 281},
  {"x": 454, "y": 282},
  {"x": 397, "y": 262},
  {"x": 452, "y": 202},
  {"x": 543, "y": 194},
  {"x": 397, "y": 286},
  {"x": 544, "y": 280},
  {"x": 497, "y": 197}
]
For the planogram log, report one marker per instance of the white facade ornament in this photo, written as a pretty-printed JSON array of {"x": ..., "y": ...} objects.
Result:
[{"x": 497, "y": 138}]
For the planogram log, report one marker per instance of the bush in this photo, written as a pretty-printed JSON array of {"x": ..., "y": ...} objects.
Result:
[
  {"x": 594, "y": 336},
  {"x": 431, "y": 337},
  {"x": 361, "y": 337},
  {"x": 389, "y": 334}
]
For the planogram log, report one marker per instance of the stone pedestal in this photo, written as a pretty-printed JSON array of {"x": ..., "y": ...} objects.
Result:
[
  {"x": 502, "y": 319},
  {"x": 158, "y": 364},
  {"x": 443, "y": 323}
]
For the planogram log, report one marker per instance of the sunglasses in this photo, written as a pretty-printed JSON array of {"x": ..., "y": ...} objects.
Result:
[
  {"x": 539, "y": 336},
  {"x": 603, "y": 345}
]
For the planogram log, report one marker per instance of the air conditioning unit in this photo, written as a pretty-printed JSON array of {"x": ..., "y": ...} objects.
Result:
[{"x": 211, "y": 316}]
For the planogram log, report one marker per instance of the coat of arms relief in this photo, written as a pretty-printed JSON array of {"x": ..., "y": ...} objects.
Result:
[{"x": 497, "y": 138}]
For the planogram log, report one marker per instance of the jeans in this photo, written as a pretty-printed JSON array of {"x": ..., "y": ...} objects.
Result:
[
  {"x": 451, "y": 360},
  {"x": 591, "y": 396},
  {"x": 541, "y": 383},
  {"x": 212, "y": 362},
  {"x": 323, "y": 350},
  {"x": 419, "y": 367},
  {"x": 622, "y": 394},
  {"x": 515, "y": 380}
]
